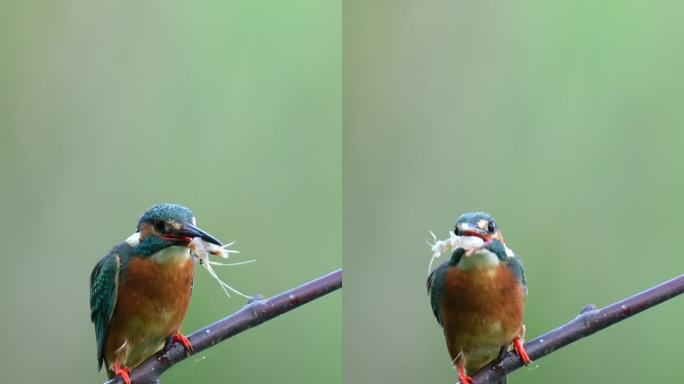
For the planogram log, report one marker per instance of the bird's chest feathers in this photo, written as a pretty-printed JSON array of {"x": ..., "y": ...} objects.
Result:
[
  {"x": 490, "y": 291},
  {"x": 482, "y": 305},
  {"x": 159, "y": 285}
]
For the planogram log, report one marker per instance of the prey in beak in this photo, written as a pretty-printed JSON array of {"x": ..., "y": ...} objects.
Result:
[{"x": 478, "y": 225}]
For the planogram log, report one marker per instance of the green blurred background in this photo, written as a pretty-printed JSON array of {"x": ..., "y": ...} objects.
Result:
[
  {"x": 564, "y": 121},
  {"x": 232, "y": 108}
]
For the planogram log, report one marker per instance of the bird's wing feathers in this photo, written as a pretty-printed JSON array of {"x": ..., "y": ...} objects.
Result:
[
  {"x": 516, "y": 267},
  {"x": 435, "y": 283},
  {"x": 104, "y": 284}
]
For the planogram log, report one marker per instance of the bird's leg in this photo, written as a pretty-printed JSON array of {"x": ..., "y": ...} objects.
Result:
[
  {"x": 183, "y": 340},
  {"x": 520, "y": 350},
  {"x": 462, "y": 377},
  {"x": 123, "y": 372}
]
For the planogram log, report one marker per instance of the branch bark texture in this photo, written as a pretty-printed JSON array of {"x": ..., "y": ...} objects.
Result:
[
  {"x": 253, "y": 314},
  {"x": 589, "y": 321}
]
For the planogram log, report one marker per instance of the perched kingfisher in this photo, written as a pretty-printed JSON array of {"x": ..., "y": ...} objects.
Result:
[
  {"x": 140, "y": 291},
  {"x": 478, "y": 297}
]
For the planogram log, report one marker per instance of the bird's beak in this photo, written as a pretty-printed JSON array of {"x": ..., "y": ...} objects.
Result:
[
  {"x": 190, "y": 231},
  {"x": 467, "y": 229}
]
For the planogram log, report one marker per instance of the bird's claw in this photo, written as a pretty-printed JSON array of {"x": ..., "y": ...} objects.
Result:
[
  {"x": 462, "y": 377},
  {"x": 520, "y": 350},
  {"x": 124, "y": 373},
  {"x": 184, "y": 341},
  {"x": 465, "y": 379}
]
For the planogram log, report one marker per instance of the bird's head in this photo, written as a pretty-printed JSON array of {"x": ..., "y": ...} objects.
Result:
[
  {"x": 478, "y": 224},
  {"x": 490, "y": 254},
  {"x": 166, "y": 225}
]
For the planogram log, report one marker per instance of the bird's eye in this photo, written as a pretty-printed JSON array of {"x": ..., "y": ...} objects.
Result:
[
  {"x": 160, "y": 226},
  {"x": 456, "y": 230},
  {"x": 491, "y": 227}
]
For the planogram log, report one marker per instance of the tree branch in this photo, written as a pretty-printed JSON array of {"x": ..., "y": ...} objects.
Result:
[
  {"x": 589, "y": 321},
  {"x": 252, "y": 314}
]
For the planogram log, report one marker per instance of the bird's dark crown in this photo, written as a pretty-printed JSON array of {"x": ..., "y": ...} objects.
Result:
[
  {"x": 474, "y": 218},
  {"x": 162, "y": 213}
]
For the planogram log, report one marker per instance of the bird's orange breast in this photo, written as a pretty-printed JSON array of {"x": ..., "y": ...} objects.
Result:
[
  {"x": 482, "y": 310},
  {"x": 151, "y": 303}
]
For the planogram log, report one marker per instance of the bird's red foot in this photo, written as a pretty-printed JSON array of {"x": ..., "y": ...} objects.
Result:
[
  {"x": 520, "y": 350},
  {"x": 124, "y": 373},
  {"x": 183, "y": 340},
  {"x": 462, "y": 377}
]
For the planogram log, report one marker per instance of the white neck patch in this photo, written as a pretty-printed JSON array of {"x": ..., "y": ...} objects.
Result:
[
  {"x": 172, "y": 255},
  {"x": 509, "y": 252},
  {"x": 483, "y": 259},
  {"x": 134, "y": 239}
]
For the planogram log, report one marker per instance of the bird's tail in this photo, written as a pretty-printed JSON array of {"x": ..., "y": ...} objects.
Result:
[{"x": 503, "y": 380}]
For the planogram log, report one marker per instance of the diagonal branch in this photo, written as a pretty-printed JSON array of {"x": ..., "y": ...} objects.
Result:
[
  {"x": 589, "y": 321},
  {"x": 251, "y": 315}
]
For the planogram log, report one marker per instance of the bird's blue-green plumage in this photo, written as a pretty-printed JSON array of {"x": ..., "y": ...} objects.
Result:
[
  {"x": 104, "y": 283},
  {"x": 474, "y": 217},
  {"x": 149, "y": 246},
  {"x": 166, "y": 212},
  {"x": 435, "y": 287}
]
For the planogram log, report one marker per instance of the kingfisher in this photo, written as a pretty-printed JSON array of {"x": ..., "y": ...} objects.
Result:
[
  {"x": 478, "y": 297},
  {"x": 140, "y": 290}
]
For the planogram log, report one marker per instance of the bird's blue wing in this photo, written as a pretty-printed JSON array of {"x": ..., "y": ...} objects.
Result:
[
  {"x": 104, "y": 284},
  {"x": 517, "y": 268},
  {"x": 435, "y": 288}
]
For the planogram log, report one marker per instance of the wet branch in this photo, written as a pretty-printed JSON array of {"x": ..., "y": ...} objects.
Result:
[
  {"x": 252, "y": 314},
  {"x": 589, "y": 321}
]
